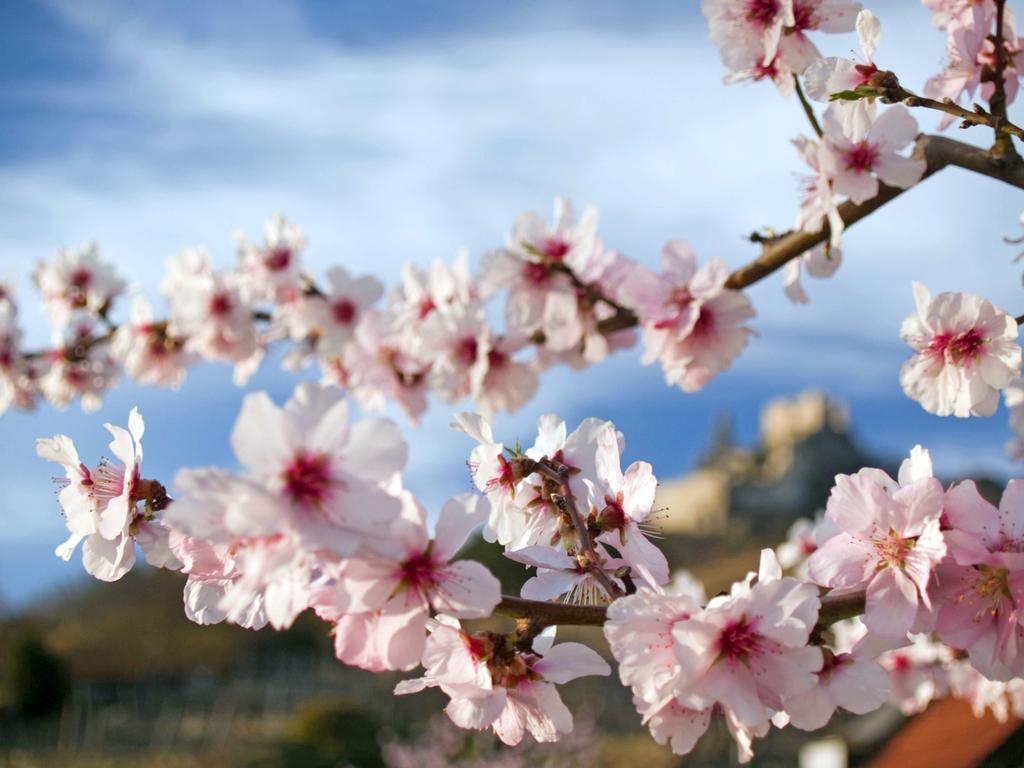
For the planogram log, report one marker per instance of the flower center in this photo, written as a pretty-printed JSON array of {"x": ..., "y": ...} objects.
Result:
[
  {"x": 465, "y": 351},
  {"x": 344, "y": 311},
  {"x": 861, "y": 157},
  {"x": 762, "y": 13},
  {"x": 278, "y": 259},
  {"x": 80, "y": 278},
  {"x": 892, "y": 549},
  {"x": 555, "y": 247},
  {"x": 220, "y": 304},
  {"x": 419, "y": 570},
  {"x": 738, "y": 640},
  {"x": 967, "y": 347},
  {"x": 535, "y": 274},
  {"x": 307, "y": 480}
]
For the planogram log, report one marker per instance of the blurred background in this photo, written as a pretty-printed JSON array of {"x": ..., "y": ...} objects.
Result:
[{"x": 395, "y": 132}]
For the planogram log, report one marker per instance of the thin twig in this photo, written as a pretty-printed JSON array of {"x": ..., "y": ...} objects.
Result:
[
  {"x": 808, "y": 109},
  {"x": 1003, "y": 145},
  {"x": 561, "y": 476}
]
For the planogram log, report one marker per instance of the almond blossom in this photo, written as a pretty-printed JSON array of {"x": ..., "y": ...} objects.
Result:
[
  {"x": 272, "y": 271},
  {"x": 857, "y": 166},
  {"x": 850, "y": 678},
  {"x": 148, "y": 352},
  {"x": 917, "y": 673},
  {"x": 494, "y": 684},
  {"x": 965, "y": 352},
  {"x": 496, "y": 475},
  {"x": 971, "y": 58},
  {"x": 748, "y": 29},
  {"x": 327, "y": 478},
  {"x": 208, "y": 311},
  {"x": 561, "y": 576},
  {"x": 692, "y": 323},
  {"x": 747, "y": 651},
  {"x": 243, "y": 564},
  {"x": 391, "y": 597},
  {"x": 622, "y": 502},
  {"x": 100, "y": 504},
  {"x": 76, "y": 280},
  {"x": 835, "y": 75},
  {"x": 77, "y": 366},
  {"x": 980, "y": 588},
  {"x": 888, "y": 543},
  {"x": 819, "y": 203}
]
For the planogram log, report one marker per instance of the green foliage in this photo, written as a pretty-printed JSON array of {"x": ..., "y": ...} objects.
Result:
[
  {"x": 326, "y": 733},
  {"x": 37, "y": 682}
]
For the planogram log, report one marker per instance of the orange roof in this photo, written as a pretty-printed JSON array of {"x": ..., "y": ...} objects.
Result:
[{"x": 946, "y": 735}]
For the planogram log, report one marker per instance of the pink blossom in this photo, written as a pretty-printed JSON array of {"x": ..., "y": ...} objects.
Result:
[
  {"x": 640, "y": 633},
  {"x": 148, "y": 353},
  {"x": 850, "y": 678},
  {"x": 621, "y": 504},
  {"x": 498, "y": 476},
  {"x": 980, "y": 589},
  {"x": 508, "y": 383},
  {"x": 492, "y": 684},
  {"x": 272, "y": 271},
  {"x": 207, "y": 309},
  {"x": 381, "y": 603},
  {"x": 741, "y": 26},
  {"x": 950, "y": 13},
  {"x": 326, "y": 477},
  {"x": 243, "y": 562},
  {"x": 100, "y": 504},
  {"x": 377, "y": 369},
  {"x": 965, "y": 351},
  {"x": 691, "y": 321},
  {"x": 819, "y": 203},
  {"x": 747, "y": 651},
  {"x": 821, "y": 261},
  {"x": 458, "y": 343},
  {"x": 330, "y": 317},
  {"x": 888, "y": 543},
  {"x": 835, "y": 75},
  {"x": 971, "y": 58},
  {"x": 78, "y": 366},
  {"x": 560, "y": 576},
  {"x": 917, "y": 673},
  {"x": 856, "y": 167},
  {"x": 76, "y": 280}
]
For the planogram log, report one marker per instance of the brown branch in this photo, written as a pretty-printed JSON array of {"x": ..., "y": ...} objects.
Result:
[
  {"x": 1003, "y": 145},
  {"x": 938, "y": 152},
  {"x": 543, "y": 614},
  {"x": 568, "y": 505}
]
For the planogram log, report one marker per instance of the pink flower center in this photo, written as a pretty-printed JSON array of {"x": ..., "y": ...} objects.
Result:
[
  {"x": 80, "y": 278},
  {"x": 892, "y": 549},
  {"x": 805, "y": 16},
  {"x": 426, "y": 307},
  {"x": 959, "y": 349},
  {"x": 769, "y": 70},
  {"x": 861, "y": 157},
  {"x": 419, "y": 570},
  {"x": 738, "y": 641},
  {"x": 278, "y": 259},
  {"x": 705, "y": 322},
  {"x": 985, "y": 588},
  {"x": 220, "y": 304},
  {"x": 344, "y": 311},
  {"x": 535, "y": 274},
  {"x": 465, "y": 351},
  {"x": 496, "y": 359},
  {"x": 762, "y": 13},
  {"x": 505, "y": 479},
  {"x": 555, "y": 247},
  {"x": 307, "y": 480}
]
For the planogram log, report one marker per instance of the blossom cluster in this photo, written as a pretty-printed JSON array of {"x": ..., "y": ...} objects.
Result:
[
  {"x": 319, "y": 519},
  {"x": 971, "y": 52},
  {"x": 564, "y": 301}
]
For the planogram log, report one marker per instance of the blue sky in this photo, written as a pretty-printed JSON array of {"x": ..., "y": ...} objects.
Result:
[{"x": 396, "y": 132}]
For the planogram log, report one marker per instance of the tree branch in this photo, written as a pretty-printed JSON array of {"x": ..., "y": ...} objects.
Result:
[
  {"x": 561, "y": 476},
  {"x": 543, "y": 614},
  {"x": 808, "y": 109},
  {"x": 938, "y": 152}
]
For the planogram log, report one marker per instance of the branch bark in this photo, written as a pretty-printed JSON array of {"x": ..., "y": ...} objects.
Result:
[
  {"x": 937, "y": 151},
  {"x": 543, "y": 614}
]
